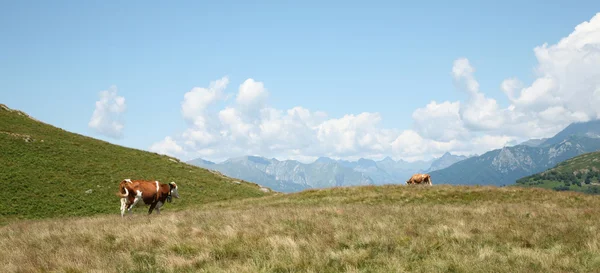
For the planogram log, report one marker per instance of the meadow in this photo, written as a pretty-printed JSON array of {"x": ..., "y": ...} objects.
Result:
[{"x": 355, "y": 229}]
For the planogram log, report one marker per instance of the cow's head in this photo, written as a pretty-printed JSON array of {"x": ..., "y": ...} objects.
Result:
[{"x": 174, "y": 191}]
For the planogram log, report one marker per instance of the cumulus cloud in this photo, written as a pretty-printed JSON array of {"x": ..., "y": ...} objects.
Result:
[
  {"x": 440, "y": 121},
  {"x": 250, "y": 126},
  {"x": 412, "y": 146},
  {"x": 479, "y": 113},
  {"x": 107, "y": 117},
  {"x": 252, "y": 97},
  {"x": 566, "y": 89},
  {"x": 568, "y": 75},
  {"x": 462, "y": 71},
  {"x": 167, "y": 146},
  {"x": 196, "y": 101}
]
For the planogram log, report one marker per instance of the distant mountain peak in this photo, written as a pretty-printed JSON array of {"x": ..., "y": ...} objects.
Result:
[
  {"x": 200, "y": 162},
  {"x": 446, "y": 160},
  {"x": 324, "y": 159},
  {"x": 364, "y": 161},
  {"x": 258, "y": 159},
  {"x": 387, "y": 159}
]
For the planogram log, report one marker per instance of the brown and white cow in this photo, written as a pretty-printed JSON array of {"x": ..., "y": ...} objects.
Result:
[
  {"x": 152, "y": 193},
  {"x": 419, "y": 178}
]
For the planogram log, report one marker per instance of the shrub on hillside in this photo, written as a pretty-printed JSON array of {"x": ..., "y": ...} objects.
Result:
[
  {"x": 593, "y": 190},
  {"x": 561, "y": 188}
]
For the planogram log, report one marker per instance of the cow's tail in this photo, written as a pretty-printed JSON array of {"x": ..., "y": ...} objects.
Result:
[{"x": 121, "y": 189}]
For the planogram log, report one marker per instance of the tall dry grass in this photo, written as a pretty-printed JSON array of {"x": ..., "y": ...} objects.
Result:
[{"x": 512, "y": 232}]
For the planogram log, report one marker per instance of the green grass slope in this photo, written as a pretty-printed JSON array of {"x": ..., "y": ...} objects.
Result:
[
  {"x": 391, "y": 228},
  {"x": 580, "y": 173},
  {"x": 49, "y": 172}
]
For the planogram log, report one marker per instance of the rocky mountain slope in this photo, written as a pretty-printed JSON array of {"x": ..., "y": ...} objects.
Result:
[{"x": 504, "y": 166}]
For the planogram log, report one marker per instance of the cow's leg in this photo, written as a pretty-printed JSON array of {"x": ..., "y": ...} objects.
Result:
[
  {"x": 152, "y": 206},
  {"x": 137, "y": 199},
  {"x": 123, "y": 206},
  {"x": 158, "y": 205},
  {"x": 130, "y": 204}
]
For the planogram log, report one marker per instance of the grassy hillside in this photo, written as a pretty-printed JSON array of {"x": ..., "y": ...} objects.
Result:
[
  {"x": 49, "y": 172},
  {"x": 357, "y": 229},
  {"x": 580, "y": 173}
]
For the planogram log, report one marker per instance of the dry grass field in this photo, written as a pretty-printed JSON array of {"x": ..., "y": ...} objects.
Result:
[{"x": 358, "y": 229}]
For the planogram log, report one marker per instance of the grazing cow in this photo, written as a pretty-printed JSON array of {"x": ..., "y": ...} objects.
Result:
[
  {"x": 419, "y": 179},
  {"x": 152, "y": 193}
]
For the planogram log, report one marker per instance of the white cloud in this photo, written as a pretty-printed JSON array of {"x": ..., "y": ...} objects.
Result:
[
  {"x": 107, "y": 117},
  {"x": 167, "y": 146},
  {"x": 252, "y": 97},
  {"x": 195, "y": 110},
  {"x": 479, "y": 113},
  {"x": 196, "y": 101},
  {"x": 567, "y": 83},
  {"x": 249, "y": 126},
  {"x": 566, "y": 89},
  {"x": 440, "y": 121},
  {"x": 463, "y": 75}
]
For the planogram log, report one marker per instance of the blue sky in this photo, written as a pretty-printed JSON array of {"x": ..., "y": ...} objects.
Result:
[{"x": 339, "y": 57}]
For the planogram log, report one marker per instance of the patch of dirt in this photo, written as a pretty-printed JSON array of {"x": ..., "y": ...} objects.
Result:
[{"x": 25, "y": 137}]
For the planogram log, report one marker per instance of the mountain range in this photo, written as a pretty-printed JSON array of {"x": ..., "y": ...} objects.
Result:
[
  {"x": 497, "y": 167},
  {"x": 292, "y": 175}
]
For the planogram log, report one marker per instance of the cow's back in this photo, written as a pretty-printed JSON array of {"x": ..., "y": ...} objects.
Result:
[{"x": 419, "y": 178}]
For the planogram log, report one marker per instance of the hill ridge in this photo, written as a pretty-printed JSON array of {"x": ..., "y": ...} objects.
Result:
[{"x": 57, "y": 173}]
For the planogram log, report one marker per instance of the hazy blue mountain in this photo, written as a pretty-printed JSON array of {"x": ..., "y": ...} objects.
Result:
[
  {"x": 288, "y": 175},
  {"x": 446, "y": 160},
  {"x": 201, "y": 162},
  {"x": 291, "y": 175},
  {"x": 504, "y": 166},
  {"x": 250, "y": 169},
  {"x": 371, "y": 169},
  {"x": 402, "y": 170}
]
